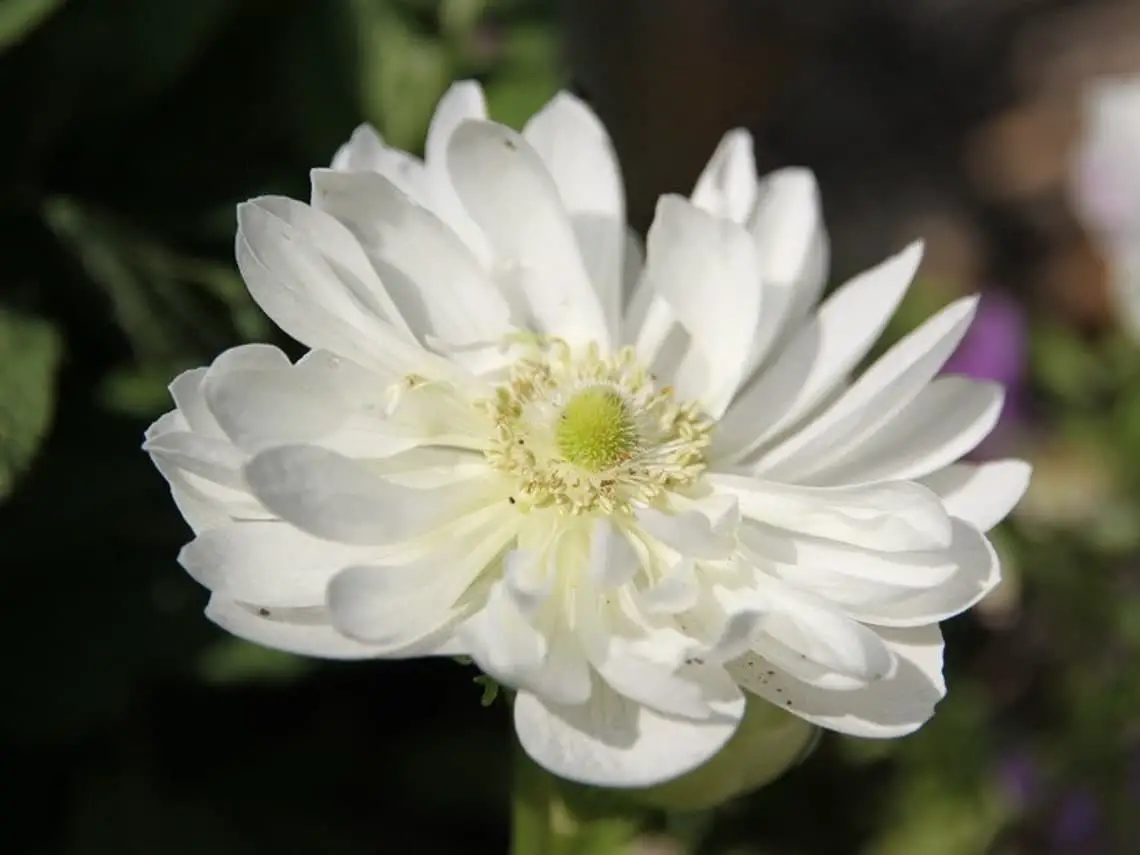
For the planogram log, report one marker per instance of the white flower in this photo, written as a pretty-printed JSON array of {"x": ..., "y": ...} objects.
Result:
[
  {"x": 631, "y": 511},
  {"x": 1106, "y": 186}
]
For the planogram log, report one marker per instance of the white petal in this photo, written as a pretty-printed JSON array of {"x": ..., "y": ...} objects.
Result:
[
  {"x": 800, "y": 627},
  {"x": 893, "y": 516},
  {"x": 508, "y": 647},
  {"x": 527, "y": 580},
  {"x": 678, "y": 591},
  {"x": 792, "y": 245},
  {"x": 251, "y": 357},
  {"x": 207, "y": 457},
  {"x": 463, "y": 101},
  {"x": 977, "y": 572},
  {"x": 706, "y": 270},
  {"x": 507, "y": 190},
  {"x": 633, "y": 262},
  {"x": 887, "y": 708},
  {"x": 612, "y": 560},
  {"x": 397, "y": 608},
  {"x": 944, "y": 422},
  {"x": 269, "y": 563},
  {"x": 643, "y": 663},
  {"x": 306, "y": 632},
  {"x": 910, "y": 571},
  {"x": 261, "y": 408},
  {"x": 366, "y": 152},
  {"x": 690, "y": 533},
  {"x": 614, "y": 742},
  {"x": 638, "y": 670},
  {"x": 205, "y": 504},
  {"x": 575, "y": 147},
  {"x": 186, "y": 390},
  {"x": 340, "y": 253},
  {"x": 727, "y": 186},
  {"x": 200, "y": 512},
  {"x": 334, "y": 497},
  {"x": 435, "y": 280},
  {"x": 303, "y": 293},
  {"x": 829, "y": 641},
  {"x": 874, "y": 398},
  {"x": 818, "y": 359},
  {"x": 981, "y": 494}
]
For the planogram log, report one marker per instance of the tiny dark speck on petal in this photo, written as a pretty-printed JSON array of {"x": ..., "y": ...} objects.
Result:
[
  {"x": 787, "y": 703},
  {"x": 263, "y": 612},
  {"x": 511, "y": 499},
  {"x": 511, "y": 144}
]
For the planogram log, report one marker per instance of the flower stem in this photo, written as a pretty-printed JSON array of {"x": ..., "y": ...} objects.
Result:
[{"x": 554, "y": 817}]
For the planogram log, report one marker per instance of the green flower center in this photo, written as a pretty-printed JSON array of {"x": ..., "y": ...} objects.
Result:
[{"x": 596, "y": 430}]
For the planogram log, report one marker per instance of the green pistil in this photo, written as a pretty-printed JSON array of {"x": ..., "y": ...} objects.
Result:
[{"x": 596, "y": 431}]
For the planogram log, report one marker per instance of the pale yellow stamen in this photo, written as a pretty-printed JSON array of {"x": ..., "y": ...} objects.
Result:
[{"x": 584, "y": 433}]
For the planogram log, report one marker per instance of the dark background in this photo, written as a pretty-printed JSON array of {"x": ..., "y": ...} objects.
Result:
[{"x": 129, "y": 129}]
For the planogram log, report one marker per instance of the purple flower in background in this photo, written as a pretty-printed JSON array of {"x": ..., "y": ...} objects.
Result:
[
  {"x": 1019, "y": 778},
  {"x": 1076, "y": 822},
  {"x": 994, "y": 348}
]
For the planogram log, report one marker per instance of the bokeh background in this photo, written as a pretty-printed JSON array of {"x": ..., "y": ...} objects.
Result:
[{"x": 129, "y": 129}]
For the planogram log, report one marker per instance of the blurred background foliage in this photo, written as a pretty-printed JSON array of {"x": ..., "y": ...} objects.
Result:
[{"x": 131, "y": 128}]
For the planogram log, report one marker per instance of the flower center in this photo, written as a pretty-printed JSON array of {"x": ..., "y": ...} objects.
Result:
[
  {"x": 596, "y": 430},
  {"x": 583, "y": 433}
]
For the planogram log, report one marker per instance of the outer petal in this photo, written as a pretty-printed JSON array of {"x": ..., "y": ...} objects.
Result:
[
  {"x": 691, "y": 533},
  {"x": 507, "y": 645},
  {"x": 303, "y": 631},
  {"x": 259, "y": 408},
  {"x": 366, "y": 152},
  {"x": 727, "y": 187},
  {"x": 508, "y": 191},
  {"x": 463, "y": 101},
  {"x": 397, "y": 608},
  {"x": 334, "y": 497},
  {"x": 438, "y": 284},
  {"x": 982, "y": 495},
  {"x": 887, "y": 708},
  {"x": 893, "y": 516},
  {"x": 575, "y": 147},
  {"x": 269, "y": 563},
  {"x": 977, "y": 572},
  {"x": 791, "y": 243},
  {"x": 811, "y": 638},
  {"x": 706, "y": 270},
  {"x": 333, "y": 249},
  {"x": 613, "y": 742},
  {"x": 818, "y": 359},
  {"x": 186, "y": 390},
  {"x": 874, "y": 398},
  {"x": 209, "y": 458},
  {"x": 303, "y": 292},
  {"x": 944, "y": 422}
]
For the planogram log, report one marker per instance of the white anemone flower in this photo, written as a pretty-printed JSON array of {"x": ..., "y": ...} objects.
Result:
[
  {"x": 1106, "y": 186},
  {"x": 633, "y": 512}
]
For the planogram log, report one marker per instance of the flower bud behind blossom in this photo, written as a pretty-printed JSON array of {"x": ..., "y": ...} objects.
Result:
[
  {"x": 643, "y": 490},
  {"x": 767, "y": 744},
  {"x": 1106, "y": 187}
]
